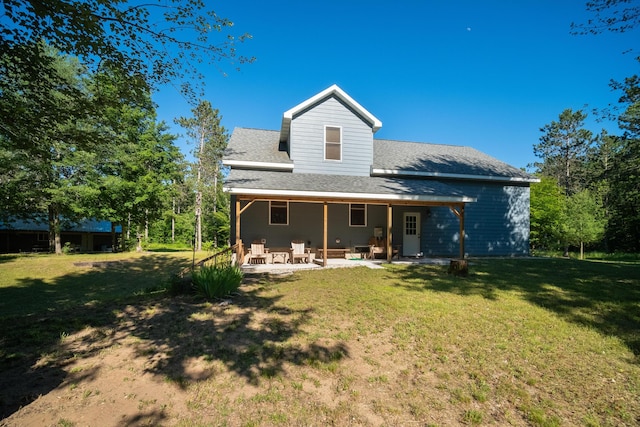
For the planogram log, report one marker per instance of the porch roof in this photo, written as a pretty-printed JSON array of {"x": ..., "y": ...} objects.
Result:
[{"x": 319, "y": 187}]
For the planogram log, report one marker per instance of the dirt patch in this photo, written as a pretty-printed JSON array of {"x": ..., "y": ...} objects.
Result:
[{"x": 238, "y": 361}]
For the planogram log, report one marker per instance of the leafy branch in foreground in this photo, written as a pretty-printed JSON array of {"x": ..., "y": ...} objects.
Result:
[{"x": 163, "y": 40}]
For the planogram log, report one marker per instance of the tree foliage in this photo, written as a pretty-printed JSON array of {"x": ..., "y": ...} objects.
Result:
[
  {"x": 616, "y": 16},
  {"x": 547, "y": 214},
  {"x": 564, "y": 146},
  {"x": 585, "y": 222},
  {"x": 77, "y": 149},
  {"x": 210, "y": 139},
  {"x": 48, "y": 139},
  {"x": 161, "y": 41}
]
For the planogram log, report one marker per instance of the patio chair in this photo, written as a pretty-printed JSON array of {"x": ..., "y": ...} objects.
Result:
[
  {"x": 298, "y": 252},
  {"x": 257, "y": 254}
]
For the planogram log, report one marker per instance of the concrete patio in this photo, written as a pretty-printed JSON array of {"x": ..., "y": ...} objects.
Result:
[{"x": 282, "y": 268}]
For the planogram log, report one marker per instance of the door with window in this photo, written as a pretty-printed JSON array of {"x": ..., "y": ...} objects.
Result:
[{"x": 411, "y": 234}]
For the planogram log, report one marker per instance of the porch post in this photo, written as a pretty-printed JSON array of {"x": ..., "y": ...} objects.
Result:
[
  {"x": 240, "y": 250},
  {"x": 389, "y": 233},
  {"x": 324, "y": 234},
  {"x": 459, "y": 212},
  {"x": 462, "y": 231}
]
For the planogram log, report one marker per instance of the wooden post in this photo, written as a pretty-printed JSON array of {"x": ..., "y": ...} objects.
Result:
[
  {"x": 240, "y": 250},
  {"x": 462, "y": 231},
  {"x": 324, "y": 234},
  {"x": 389, "y": 233},
  {"x": 459, "y": 212}
]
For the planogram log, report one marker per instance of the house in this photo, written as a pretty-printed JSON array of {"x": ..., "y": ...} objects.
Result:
[
  {"x": 324, "y": 179},
  {"x": 89, "y": 235}
]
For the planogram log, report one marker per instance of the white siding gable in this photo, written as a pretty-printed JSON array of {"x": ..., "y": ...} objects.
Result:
[{"x": 306, "y": 140}]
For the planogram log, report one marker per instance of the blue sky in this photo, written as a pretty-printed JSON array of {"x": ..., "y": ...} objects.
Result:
[{"x": 483, "y": 74}]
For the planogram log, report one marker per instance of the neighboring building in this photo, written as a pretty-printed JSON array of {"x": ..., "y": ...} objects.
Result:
[
  {"x": 33, "y": 236},
  {"x": 324, "y": 179}
]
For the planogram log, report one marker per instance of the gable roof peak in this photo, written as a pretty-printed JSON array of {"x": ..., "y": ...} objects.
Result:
[{"x": 332, "y": 90}]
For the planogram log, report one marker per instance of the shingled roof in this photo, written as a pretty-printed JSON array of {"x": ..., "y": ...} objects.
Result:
[
  {"x": 400, "y": 158},
  {"x": 438, "y": 160},
  {"x": 255, "y": 145}
]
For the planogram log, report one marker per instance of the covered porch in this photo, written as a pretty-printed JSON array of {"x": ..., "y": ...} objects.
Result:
[{"x": 351, "y": 245}]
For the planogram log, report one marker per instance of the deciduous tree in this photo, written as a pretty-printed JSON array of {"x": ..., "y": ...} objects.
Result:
[
  {"x": 547, "y": 214},
  {"x": 161, "y": 41},
  {"x": 585, "y": 222}
]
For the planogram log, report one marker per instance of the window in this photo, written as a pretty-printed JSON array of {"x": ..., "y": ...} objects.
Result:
[
  {"x": 279, "y": 213},
  {"x": 43, "y": 237},
  {"x": 332, "y": 143},
  {"x": 358, "y": 215}
]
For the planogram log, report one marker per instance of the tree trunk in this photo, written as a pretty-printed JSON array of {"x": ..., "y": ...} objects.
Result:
[
  {"x": 54, "y": 230},
  {"x": 173, "y": 221},
  {"x": 146, "y": 224},
  {"x": 138, "y": 241},
  {"x": 114, "y": 243},
  {"x": 124, "y": 235},
  {"x": 581, "y": 250},
  {"x": 215, "y": 208},
  {"x": 198, "y": 231}
]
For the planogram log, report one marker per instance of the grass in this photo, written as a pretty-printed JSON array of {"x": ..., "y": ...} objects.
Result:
[{"x": 540, "y": 342}]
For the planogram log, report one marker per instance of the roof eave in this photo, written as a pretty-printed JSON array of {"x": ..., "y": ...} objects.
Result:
[
  {"x": 332, "y": 90},
  {"x": 425, "y": 174},
  {"x": 245, "y": 164},
  {"x": 422, "y": 198}
]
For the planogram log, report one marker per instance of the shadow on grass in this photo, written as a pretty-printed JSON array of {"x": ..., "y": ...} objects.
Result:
[
  {"x": 8, "y": 257},
  {"x": 603, "y": 296},
  {"x": 181, "y": 339}
]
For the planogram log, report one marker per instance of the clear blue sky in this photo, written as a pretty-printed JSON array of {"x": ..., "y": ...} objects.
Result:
[{"x": 484, "y": 74}]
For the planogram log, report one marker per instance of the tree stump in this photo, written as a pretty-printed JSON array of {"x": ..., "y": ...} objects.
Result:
[{"x": 458, "y": 267}]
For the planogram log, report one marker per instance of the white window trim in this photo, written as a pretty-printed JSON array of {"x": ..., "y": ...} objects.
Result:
[
  {"x": 324, "y": 143},
  {"x": 365, "y": 215},
  {"x": 271, "y": 223}
]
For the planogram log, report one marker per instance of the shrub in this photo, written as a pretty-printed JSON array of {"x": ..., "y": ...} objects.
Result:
[{"x": 217, "y": 281}]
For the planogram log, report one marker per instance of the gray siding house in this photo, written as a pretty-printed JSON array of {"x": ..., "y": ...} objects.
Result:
[{"x": 324, "y": 179}]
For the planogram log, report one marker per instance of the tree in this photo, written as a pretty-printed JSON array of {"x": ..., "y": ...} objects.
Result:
[
  {"x": 137, "y": 179},
  {"x": 563, "y": 148},
  {"x": 210, "y": 138},
  {"x": 585, "y": 221},
  {"x": 624, "y": 192},
  {"x": 547, "y": 214},
  {"x": 160, "y": 41},
  {"x": 48, "y": 140},
  {"x": 617, "y": 16}
]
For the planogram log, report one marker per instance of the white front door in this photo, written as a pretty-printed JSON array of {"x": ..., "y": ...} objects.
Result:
[{"x": 411, "y": 234}]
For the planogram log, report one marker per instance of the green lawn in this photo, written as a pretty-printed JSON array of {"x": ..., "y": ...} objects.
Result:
[{"x": 518, "y": 342}]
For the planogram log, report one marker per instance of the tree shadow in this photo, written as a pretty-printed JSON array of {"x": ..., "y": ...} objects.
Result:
[
  {"x": 603, "y": 296},
  {"x": 180, "y": 339}
]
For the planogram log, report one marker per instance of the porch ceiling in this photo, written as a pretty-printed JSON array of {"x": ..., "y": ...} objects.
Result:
[{"x": 252, "y": 184}]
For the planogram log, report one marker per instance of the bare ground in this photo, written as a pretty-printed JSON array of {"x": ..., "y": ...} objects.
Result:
[{"x": 184, "y": 362}]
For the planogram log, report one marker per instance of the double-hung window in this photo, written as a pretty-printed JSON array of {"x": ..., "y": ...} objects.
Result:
[
  {"x": 278, "y": 213},
  {"x": 358, "y": 215},
  {"x": 332, "y": 143}
]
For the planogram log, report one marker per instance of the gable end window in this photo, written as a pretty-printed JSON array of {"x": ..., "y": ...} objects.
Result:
[
  {"x": 332, "y": 143},
  {"x": 357, "y": 215},
  {"x": 279, "y": 213}
]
